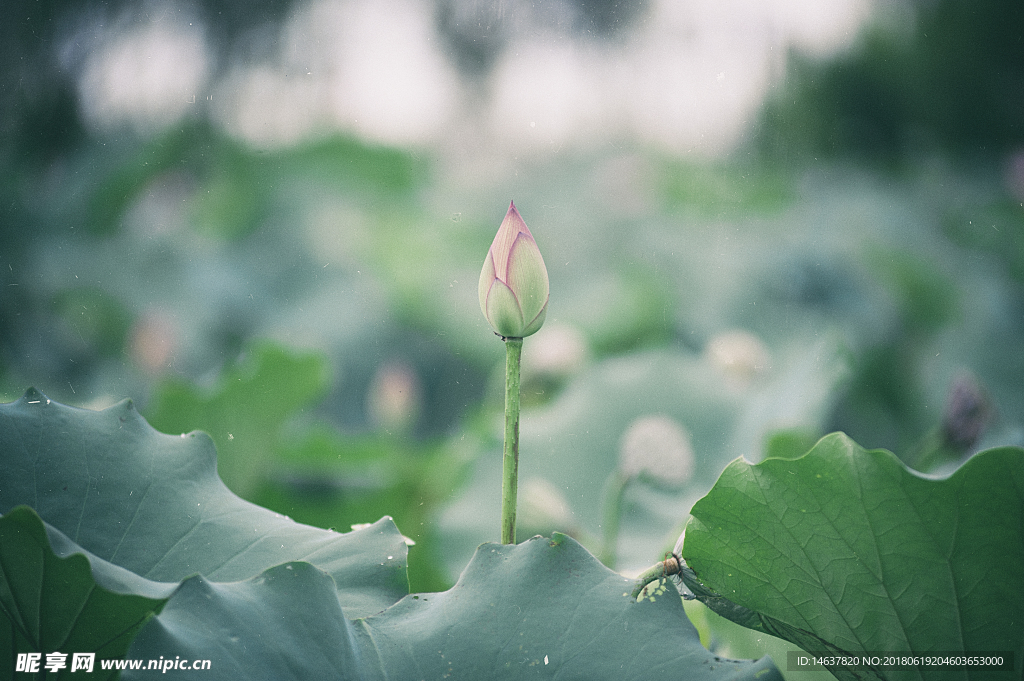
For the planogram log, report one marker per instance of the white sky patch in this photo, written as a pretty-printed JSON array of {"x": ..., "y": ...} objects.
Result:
[
  {"x": 550, "y": 92},
  {"x": 371, "y": 68},
  {"x": 691, "y": 76},
  {"x": 269, "y": 107},
  {"x": 146, "y": 76},
  {"x": 392, "y": 83},
  {"x": 818, "y": 28}
]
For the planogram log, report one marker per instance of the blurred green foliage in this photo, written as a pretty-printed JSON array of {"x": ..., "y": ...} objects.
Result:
[
  {"x": 842, "y": 270},
  {"x": 273, "y": 451},
  {"x": 929, "y": 75},
  {"x": 245, "y": 411}
]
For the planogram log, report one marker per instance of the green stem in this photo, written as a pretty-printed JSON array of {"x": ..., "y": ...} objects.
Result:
[
  {"x": 666, "y": 568},
  {"x": 614, "y": 490},
  {"x": 510, "y": 460}
]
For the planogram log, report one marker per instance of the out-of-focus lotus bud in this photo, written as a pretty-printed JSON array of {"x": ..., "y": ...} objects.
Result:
[
  {"x": 657, "y": 447},
  {"x": 559, "y": 353},
  {"x": 543, "y": 506},
  {"x": 514, "y": 281},
  {"x": 394, "y": 398},
  {"x": 153, "y": 341},
  {"x": 967, "y": 412},
  {"x": 740, "y": 355}
]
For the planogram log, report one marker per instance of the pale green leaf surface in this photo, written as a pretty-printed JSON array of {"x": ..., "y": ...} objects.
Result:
[
  {"x": 57, "y": 599},
  {"x": 543, "y": 609},
  {"x": 154, "y": 505},
  {"x": 856, "y": 549},
  {"x": 574, "y": 442},
  {"x": 282, "y": 624}
]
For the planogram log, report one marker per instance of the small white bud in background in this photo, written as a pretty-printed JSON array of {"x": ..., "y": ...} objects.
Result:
[
  {"x": 740, "y": 355},
  {"x": 394, "y": 400},
  {"x": 543, "y": 507},
  {"x": 559, "y": 352},
  {"x": 152, "y": 342},
  {"x": 657, "y": 447}
]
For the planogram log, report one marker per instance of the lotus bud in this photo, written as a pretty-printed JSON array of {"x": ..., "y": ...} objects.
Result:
[
  {"x": 967, "y": 412},
  {"x": 514, "y": 281}
]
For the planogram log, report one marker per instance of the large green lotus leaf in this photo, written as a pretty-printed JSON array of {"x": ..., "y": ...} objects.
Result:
[
  {"x": 543, "y": 609},
  {"x": 154, "y": 505},
  {"x": 282, "y": 624},
  {"x": 847, "y": 549},
  {"x": 53, "y": 598}
]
